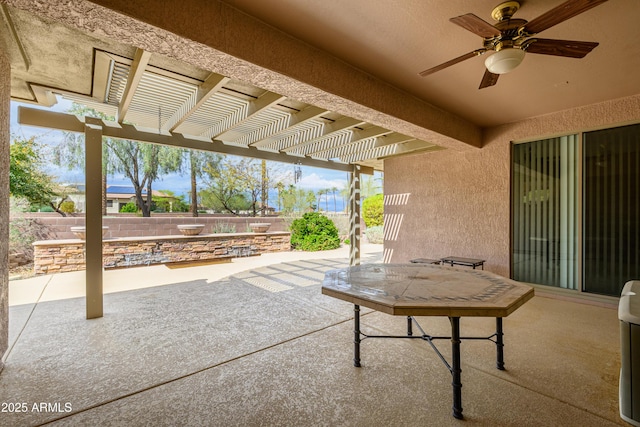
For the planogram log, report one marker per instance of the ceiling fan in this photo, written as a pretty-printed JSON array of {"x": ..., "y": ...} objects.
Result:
[{"x": 511, "y": 38}]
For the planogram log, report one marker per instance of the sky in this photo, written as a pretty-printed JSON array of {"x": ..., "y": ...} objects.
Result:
[{"x": 312, "y": 178}]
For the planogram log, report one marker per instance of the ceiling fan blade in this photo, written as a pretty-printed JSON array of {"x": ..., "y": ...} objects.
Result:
[
  {"x": 559, "y": 14},
  {"x": 454, "y": 61},
  {"x": 476, "y": 25},
  {"x": 569, "y": 48},
  {"x": 489, "y": 79}
]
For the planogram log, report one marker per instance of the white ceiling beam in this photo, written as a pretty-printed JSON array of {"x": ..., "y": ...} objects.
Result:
[
  {"x": 328, "y": 131},
  {"x": 356, "y": 137},
  {"x": 267, "y": 100},
  {"x": 396, "y": 138},
  {"x": 344, "y": 150},
  {"x": 140, "y": 61},
  {"x": 297, "y": 119},
  {"x": 383, "y": 153},
  {"x": 355, "y": 150},
  {"x": 413, "y": 146},
  {"x": 210, "y": 86}
]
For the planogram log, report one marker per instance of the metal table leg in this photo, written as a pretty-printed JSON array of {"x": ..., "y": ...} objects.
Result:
[
  {"x": 455, "y": 367},
  {"x": 356, "y": 335},
  {"x": 499, "y": 344}
]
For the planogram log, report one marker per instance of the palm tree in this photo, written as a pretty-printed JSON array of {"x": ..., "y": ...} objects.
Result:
[
  {"x": 320, "y": 193},
  {"x": 334, "y": 190},
  {"x": 326, "y": 199},
  {"x": 280, "y": 187}
]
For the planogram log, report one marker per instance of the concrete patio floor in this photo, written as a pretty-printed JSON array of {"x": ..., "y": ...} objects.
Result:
[{"x": 255, "y": 343}]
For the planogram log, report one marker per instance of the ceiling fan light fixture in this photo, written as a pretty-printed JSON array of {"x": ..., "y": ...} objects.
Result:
[{"x": 504, "y": 60}]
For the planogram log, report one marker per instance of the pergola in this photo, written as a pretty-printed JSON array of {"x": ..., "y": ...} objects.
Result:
[{"x": 217, "y": 114}]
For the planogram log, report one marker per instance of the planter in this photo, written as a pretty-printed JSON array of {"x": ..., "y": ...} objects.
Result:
[
  {"x": 259, "y": 227},
  {"x": 81, "y": 231},
  {"x": 191, "y": 229}
]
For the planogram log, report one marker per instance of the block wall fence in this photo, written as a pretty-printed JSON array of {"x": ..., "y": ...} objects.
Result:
[{"x": 58, "y": 227}]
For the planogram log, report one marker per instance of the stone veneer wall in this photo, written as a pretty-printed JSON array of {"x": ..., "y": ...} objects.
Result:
[{"x": 58, "y": 256}]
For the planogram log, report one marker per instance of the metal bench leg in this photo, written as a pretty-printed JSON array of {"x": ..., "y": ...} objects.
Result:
[{"x": 409, "y": 326}]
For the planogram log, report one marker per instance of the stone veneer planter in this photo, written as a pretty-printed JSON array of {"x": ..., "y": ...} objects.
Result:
[{"x": 57, "y": 256}]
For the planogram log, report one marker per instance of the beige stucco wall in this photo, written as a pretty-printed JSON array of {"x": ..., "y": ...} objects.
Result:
[
  {"x": 214, "y": 36},
  {"x": 5, "y": 81},
  {"x": 457, "y": 203}
]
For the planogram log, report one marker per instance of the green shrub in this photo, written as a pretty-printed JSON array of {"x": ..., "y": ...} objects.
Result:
[
  {"x": 23, "y": 231},
  {"x": 129, "y": 208},
  {"x": 68, "y": 206},
  {"x": 314, "y": 232},
  {"x": 223, "y": 227},
  {"x": 375, "y": 234},
  {"x": 41, "y": 208},
  {"x": 373, "y": 210}
]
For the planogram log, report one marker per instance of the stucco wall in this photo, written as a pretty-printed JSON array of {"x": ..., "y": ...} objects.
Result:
[
  {"x": 5, "y": 82},
  {"x": 457, "y": 203}
]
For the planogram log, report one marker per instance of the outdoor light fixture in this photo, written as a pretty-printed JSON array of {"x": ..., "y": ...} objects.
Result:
[{"x": 504, "y": 60}]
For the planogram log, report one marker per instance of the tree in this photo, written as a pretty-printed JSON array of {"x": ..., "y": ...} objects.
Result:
[
  {"x": 233, "y": 181},
  {"x": 70, "y": 152},
  {"x": 226, "y": 185},
  {"x": 280, "y": 187},
  {"x": 320, "y": 193},
  {"x": 169, "y": 203},
  {"x": 141, "y": 163},
  {"x": 26, "y": 178},
  {"x": 370, "y": 185},
  {"x": 198, "y": 161},
  {"x": 334, "y": 190},
  {"x": 326, "y": 199},
  {"x": 295, "y": 200}
]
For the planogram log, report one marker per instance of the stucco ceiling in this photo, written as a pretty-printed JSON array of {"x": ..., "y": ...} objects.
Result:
[
  {"x": 383, "y": 44},
  {"x": 395, "y": 39}
]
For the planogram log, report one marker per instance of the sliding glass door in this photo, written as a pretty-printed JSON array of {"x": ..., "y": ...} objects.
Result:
[
  {"x": 546, "y": 205},
  {"x": 611, "y": 229},
  {"x": 544, "y": 216}
]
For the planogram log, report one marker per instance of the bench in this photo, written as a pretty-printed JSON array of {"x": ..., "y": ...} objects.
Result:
[
  {"x": 466, "y": 262},
  {"x": 425, "y": 261}
]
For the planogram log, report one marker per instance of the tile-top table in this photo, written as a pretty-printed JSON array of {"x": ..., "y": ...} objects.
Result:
[{"x": 429, "y": 290}]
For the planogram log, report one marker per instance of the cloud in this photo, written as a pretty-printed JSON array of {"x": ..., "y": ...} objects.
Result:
[{"x": 314, "y": 181}]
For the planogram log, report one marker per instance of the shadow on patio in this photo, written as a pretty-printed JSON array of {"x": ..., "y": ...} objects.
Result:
[{"x": 265, "y": 347}]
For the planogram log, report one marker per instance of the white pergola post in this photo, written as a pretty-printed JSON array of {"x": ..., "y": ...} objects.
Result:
[
  {"x": 354, "y": 216},
  {"x": 93, "y": 220}
]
